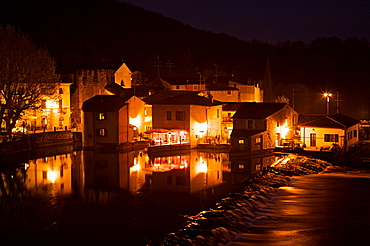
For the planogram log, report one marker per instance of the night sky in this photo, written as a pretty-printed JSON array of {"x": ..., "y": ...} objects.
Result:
[{"x": 270, "y": 20}]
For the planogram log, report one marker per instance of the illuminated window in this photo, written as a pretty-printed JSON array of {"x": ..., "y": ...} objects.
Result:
[
  {"x": 148, "y": 128},
  {"x": 241, "y": 166},
  {"x": 258, "y": 140},
  {"x": 241, "y": 141},
  {"x": 101, "y": 116},
  {"x": 180, "y": 115},
  {"x": 102, "y": 132},
  {"x": 147, "y": 111},
  {"x": 169, "y": 115},
  {"x": 331, "y": 137}
]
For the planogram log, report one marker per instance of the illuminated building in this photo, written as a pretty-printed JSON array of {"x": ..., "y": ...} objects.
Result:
[
  {"x": 263, "y": 126},
  {"x": 198, "y": 118},
  {"x": 54, "y": 111},
  {"x": 320, "y": 132},
  {"x": 111, "y": 120}
]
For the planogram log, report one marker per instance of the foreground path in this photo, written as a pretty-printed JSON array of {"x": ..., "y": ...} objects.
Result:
[{"x": 331, "y": 208}]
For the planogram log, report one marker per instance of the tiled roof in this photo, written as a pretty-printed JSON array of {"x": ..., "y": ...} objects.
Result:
[
  {"x": 324, "y": 121},
  {"x": 166, "y": 94},
  {"x": 254, "y": 110},
  {"x": 219, "y": 87},
  {"x": 104, "y": 103},
  {"x": 187, "y": 99},
  {"x": 329, "y": 121},
  {"x": 182, "y": 80},
  {"x": 303, "y": 118},
  {"x": 231, "y": 106},
  {"x": 118, "y": 90},
  {"x": 244, "y": 132},
  {"x": 344, "y": 119}
]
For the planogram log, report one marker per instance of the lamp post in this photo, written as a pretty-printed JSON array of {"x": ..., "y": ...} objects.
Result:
[{"x": 327, "y": 95}]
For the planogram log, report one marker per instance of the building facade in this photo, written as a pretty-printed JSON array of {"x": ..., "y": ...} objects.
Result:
[{"x": 263, "y": 126}]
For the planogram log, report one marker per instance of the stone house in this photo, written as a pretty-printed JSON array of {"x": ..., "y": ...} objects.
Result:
[
  {"x": 263, "y": 126},
  {"x": 111, "y": 120}
]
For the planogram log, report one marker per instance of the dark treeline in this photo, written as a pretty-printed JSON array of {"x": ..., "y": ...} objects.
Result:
[{"x": 95, "y": 34}]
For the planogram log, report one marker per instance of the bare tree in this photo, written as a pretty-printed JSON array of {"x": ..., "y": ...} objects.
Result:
[
  {"x": 27, "y": 74},
  {"x": 281, "y": 99}
]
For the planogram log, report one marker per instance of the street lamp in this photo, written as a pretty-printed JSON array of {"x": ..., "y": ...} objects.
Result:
[{"x": 327, "y": 95}]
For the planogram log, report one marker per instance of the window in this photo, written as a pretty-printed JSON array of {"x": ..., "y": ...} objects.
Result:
[
  {"x": 180, "y": 180},
  {"x": 177, "y": 87},
  {"x": 355, "y": 133},
  {"x": 180, "y": 115},
  {"x": 241, "y": 141},
  {"x": 102, "y": 132},
  {"x": 258, "y": 140},
  {"x": 229, "y": 93},
  {"x": 218, "y": 113},
  {"x": 101, "y": 116},
  {"x": 250, "y": 124},
  {"x": 169, "y": 115},
  {"x": 60, "y": 90},
  {"x": 195, "y": 87},
  {"x": 148, "y": 128},
  {"x": 147, "y": 111},
  {"x": 44, "y": 174},
  {"x": 331, "y": 137}
]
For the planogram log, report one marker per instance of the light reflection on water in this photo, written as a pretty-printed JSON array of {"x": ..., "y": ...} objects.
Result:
[{"x": 131, "y": 197}]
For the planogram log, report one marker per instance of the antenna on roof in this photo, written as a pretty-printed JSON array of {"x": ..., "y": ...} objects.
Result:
[{"x": 216, "y": 74}]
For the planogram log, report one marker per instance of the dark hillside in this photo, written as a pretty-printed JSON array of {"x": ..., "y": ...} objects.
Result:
[{"x": 104, "y": 33}]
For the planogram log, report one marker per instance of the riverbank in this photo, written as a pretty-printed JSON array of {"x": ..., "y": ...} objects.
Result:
[
  {"x": 220, "y": 224},
  {"x": 44, "y": 139}
]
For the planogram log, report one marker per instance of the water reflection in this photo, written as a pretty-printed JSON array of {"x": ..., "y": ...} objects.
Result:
[
  {"x": 185, "y": 172},
  {"x": 128, "y": 192}
]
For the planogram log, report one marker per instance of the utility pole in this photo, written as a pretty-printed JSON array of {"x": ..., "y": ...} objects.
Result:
[
  {"x": 337, "y": 107},
  {"x": 157, "y": 64},
  {"x": 293, "y": 95},
  {"x": 216, "y": 74},
  {"x": 170, "y": 65}
]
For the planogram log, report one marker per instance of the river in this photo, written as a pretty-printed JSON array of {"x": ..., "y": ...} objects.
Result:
[
  {"x": 184, "y": 198},
  {"x": 331, "y": 208},
  {"x": 113, "y": 198}
]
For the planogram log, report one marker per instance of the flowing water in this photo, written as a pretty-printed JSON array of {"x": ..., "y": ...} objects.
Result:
[
  {"x": 325, "y": 209},
  {"x": 113, "y": 198},
  {"x": 185, "y": 198}
]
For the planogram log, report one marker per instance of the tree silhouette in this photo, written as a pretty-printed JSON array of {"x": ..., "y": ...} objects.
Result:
[{"x": 27, "y": 74}]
